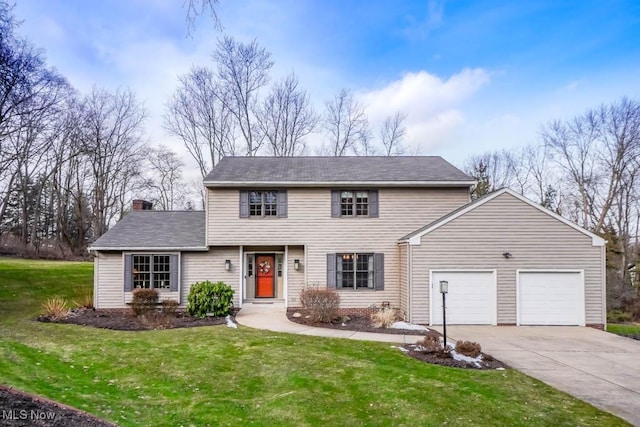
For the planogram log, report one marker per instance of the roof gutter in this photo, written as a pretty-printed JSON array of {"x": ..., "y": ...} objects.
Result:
[
  {"x": 246, "y": 184},
  {"x": 148, "y": 248}
]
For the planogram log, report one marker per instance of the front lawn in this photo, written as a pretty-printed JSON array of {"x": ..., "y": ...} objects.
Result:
[{"x": 222, "y": 376}]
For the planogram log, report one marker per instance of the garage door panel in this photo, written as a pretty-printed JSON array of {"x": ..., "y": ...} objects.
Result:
[
  {"x": 471, "y": 297},
  {"x": 550, "y": 298}
]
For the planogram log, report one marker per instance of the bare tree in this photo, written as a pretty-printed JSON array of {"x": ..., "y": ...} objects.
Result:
[
  {"x": 166, "y": 178},
  {"x": 392, "y": 134},
  {"x": 493, "y": 170},
  {"x": 196, "y": 8},
  {"x": 345, "y": 122},
  {"x": 200, "y": 115},
  {"x": 112, "y": 140},
  {"x": 286, "y": 118},
  {"x": 243, "y": 69}
]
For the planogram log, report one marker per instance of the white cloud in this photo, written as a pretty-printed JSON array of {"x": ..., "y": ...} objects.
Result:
[{"x": 434, "y": 106}]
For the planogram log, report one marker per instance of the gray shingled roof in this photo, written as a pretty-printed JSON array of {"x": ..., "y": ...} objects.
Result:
[
  {"x": 155, "y": 229},
  {"x": 427, "y": 169}
]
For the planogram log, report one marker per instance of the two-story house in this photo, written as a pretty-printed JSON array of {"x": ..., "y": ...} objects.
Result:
[{"x": 379, "y": 230}]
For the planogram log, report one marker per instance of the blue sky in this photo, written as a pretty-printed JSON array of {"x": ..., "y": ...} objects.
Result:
[{"x": 471, "y": 75}]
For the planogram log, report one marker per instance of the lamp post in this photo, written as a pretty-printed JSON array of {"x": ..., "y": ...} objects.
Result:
[{"x": 444, "y": 289}]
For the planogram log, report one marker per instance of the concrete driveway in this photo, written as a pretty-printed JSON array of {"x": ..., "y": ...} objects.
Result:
[{"x": 600, "y": 368}]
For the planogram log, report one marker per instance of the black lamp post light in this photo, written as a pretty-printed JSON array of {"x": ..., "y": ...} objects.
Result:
[{"x": 444, "y": 289}]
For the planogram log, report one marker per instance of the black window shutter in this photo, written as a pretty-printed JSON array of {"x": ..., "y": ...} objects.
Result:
[
  {"x": 335, "y": 204},
  {"x": 378, "y": 267},
  {"x": 244, "y": 204},
  {"x": 128, "y": 272},
  {"x": 373, "y": 203},
  {"x": 173, "y": 272},
  {"x": 331, "y": 271},
  {"x": 282, "y": 204}
]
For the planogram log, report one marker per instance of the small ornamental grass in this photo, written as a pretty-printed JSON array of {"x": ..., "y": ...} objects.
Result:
[
  {"x": 468, "y": 348},
  {"x": 384, "y": 318},
  {"x": 206, "y": 298},
  {"x": 321, "y": 304},
  {"x": 84, "y": 301},
  {"x": 56, "y": 308},
  {"x": 144, "y": 301}
]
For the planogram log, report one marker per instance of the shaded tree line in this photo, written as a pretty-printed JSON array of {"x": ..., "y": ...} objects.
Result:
[{"x": 69, "y": 163}]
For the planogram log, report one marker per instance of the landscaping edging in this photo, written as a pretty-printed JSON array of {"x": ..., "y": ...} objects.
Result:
[{"x": 18, "y": 408}]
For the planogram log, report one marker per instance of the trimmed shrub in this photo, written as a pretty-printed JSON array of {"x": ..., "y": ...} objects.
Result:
[
  {"x": 56, "y": 308},
  {"x": 144, "y": 301},
  {"x": 468, "y": 348},
  {"x": 431, "y": 344},
  {"x": 169, "y": 307},
  {"x": 206, "y": 298},
  {"x": 321, "y": 304},
  {"x": 384, "y": 318}
]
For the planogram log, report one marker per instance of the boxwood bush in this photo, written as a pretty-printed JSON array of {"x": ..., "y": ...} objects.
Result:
[{"x": 206, "y": 298}]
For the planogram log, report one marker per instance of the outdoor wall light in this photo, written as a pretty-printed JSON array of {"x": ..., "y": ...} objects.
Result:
[
  {"x": 507, "y": 255},
  {"x": 296, "y": 264},
  {"x": 227, "y": 264}
]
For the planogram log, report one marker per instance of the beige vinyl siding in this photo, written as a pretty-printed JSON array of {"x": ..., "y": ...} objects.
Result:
[
  {"x": 110, "y": 291},
  {"x": 477, "y": 240},
  {"x": 201, "y": 266},
  {"x": 194, "y": 267},
  {"x": 309, "y": 223},
  {"x": 295, "y": 279},
  {"x": 403, "y": 272}
]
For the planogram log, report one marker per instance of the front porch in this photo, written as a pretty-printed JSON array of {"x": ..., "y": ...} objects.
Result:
[{"x": 270, "y": 274}]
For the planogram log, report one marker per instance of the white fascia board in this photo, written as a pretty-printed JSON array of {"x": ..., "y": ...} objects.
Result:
[
  {"x": 148, "y": 249},
  {"x": 248, "y": 184}
]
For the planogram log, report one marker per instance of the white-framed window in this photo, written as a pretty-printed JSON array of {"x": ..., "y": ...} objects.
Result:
[
  {"x": 354, "y": 203},
  {"x": 263, "y": 204},
  {"x": 151, "y": 271},
  {"x": 355, "y": 271}
]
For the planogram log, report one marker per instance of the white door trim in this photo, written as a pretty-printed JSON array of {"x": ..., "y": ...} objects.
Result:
[
  {"x": 582, "y": 310},
  {"x": 433, "y": 290}
]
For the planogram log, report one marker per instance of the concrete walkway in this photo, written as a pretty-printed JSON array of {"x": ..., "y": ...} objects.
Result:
[
  {"x": 273, "y": 317},
  {"x": 600, "y": 368}
]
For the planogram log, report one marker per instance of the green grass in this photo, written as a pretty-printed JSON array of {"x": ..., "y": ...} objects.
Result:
[
  {"x": 624, "y": 329},
  {"x": 223, "y": 376},
  {"x": 25, "y": 284}
]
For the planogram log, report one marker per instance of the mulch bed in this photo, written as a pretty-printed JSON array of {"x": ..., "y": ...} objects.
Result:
[
  {"x": 125, "y": 320},
  {"x": 354, "y": 323},
  {"x": 364, "y": 324},
  {"x": 445, "y": 359},
  {"x": 18, "y": 409}
]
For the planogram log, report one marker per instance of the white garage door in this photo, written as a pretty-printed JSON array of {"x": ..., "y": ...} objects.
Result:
[
  {"x": 550, "y": 298},
  {"x": 471, "y": 299}
]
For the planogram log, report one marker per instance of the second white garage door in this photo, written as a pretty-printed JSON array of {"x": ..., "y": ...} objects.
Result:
[
  {"x": 550, "y": 298},
  {"x": 471, "y": 299}
]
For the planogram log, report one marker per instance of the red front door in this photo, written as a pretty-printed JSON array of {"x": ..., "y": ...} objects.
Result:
[{"x": 265, "y": 276}]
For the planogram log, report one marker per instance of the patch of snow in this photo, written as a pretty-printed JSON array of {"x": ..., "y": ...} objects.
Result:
[
  {"x": 500, "y": 369},
  {"x": 408, "y": 326},
  {"x": 461, "y": 357},
  {"x": 230, "y": 323},
  {"x": 402, "y": 349}
]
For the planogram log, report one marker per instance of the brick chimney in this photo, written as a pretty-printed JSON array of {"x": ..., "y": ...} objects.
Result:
[{"x": 141, "y": 205}]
